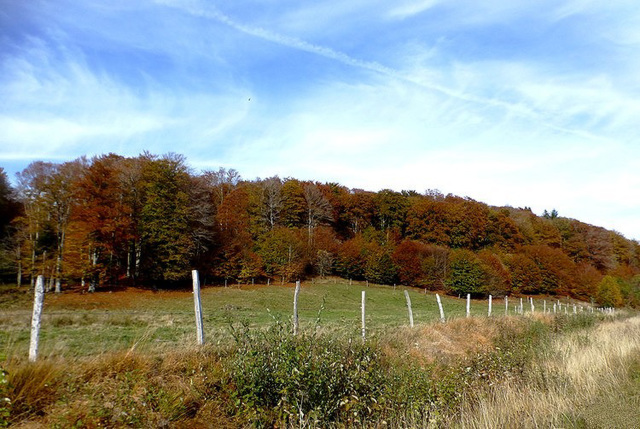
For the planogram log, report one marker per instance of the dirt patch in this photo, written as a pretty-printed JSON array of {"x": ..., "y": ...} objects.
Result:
[{"x": 120, "y": 299}]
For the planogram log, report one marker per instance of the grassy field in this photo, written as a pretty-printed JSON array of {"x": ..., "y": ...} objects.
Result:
[
  {"x": 81, "y": 324},
  {"x": 128, "y": 358}
]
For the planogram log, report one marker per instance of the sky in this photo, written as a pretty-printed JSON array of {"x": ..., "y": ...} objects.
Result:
[{"x": 520, "y": 103}]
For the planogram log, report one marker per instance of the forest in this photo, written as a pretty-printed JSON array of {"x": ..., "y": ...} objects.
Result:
[{"x": 147, "y": 221}]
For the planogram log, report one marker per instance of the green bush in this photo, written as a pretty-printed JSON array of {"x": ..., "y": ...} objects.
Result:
[{"x": 278, "y": 377}]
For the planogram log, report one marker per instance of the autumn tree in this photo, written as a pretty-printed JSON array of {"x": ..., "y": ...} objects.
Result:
[
  {"x": 105, "y": 218},
  {"x": 429, "y": 221},
  {"x": 294, "y": 205},
  {"x": 317, "y": 207},
  {"x": 351, "y": 259},
  {"x": 609, "y": 294},
  {"x": 35, "y": 222},
  {"x": 358, "y": 212},
  {"x": 233, "y": 254},
  {"x": 270, "y": 201},
  {"x": 410, "y": 258}
]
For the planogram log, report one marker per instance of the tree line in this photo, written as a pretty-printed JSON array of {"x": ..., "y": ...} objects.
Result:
[{"x": 149, "y": 220}]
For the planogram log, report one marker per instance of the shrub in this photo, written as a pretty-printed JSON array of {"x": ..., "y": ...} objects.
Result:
[{"x": 280, "y": 377}]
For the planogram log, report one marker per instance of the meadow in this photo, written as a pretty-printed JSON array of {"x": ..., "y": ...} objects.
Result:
[
  {"x": 128, "y": 358},
  {"x": 83, "y": 324}
]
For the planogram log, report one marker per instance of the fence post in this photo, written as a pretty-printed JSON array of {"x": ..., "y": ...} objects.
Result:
[
  {"x": 363, "y": 319},
  {"x": 295, "y": 308},
  {"x": 442, "y": 319},
  {"x": 506, "y": 305},
  {"x": 468, "y": 305},
  {"x": 544, "y": 306},
  {"x": 198, "y": 307},
  {"x": 533, "y": 308},
  {"x": 406, "y": 295},
  {"x": 490, "y": 305},
  {"x": 521, "y": 306},
  {"x": 38, "y": 302}
]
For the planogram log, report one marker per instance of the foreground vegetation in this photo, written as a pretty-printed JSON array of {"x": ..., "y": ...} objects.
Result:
[{"x": 534, "y": 371}]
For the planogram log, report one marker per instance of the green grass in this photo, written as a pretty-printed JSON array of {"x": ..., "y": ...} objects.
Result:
[{"x": 77, "y": 324}]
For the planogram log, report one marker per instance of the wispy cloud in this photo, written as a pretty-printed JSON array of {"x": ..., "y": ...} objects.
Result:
[
  {"x": 520, "y": 109},
  {"x": 507, "y": 102}
]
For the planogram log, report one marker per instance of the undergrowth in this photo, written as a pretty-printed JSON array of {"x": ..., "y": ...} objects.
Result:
[{"x": 271, "y": 378}]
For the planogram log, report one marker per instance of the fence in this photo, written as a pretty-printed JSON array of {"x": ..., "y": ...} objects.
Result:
[{"x": 446, "y": 309}]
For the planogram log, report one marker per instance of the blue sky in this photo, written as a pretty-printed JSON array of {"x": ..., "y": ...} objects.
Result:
[{"x": 515, "y": 103}]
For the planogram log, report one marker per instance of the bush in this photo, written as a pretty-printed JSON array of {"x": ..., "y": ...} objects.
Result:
[{"x": 278, "y": 377}]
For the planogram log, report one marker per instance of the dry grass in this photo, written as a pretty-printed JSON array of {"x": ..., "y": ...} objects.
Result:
[{"x": 580, "y": 368}]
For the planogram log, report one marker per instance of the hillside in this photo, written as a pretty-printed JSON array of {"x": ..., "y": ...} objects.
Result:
[{"x": 149, "y": 220}]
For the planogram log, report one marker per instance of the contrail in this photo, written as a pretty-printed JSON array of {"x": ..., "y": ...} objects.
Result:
[{"x": 211, "y": 12}]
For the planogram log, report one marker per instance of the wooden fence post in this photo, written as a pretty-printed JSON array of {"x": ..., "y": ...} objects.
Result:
[
  {"x": 38, "y": 302},
  {"x": 198, "y": 307},
  {"x": 468, "y": 305},
  {"x": 533, "y": 308},
  {"x": 442, "y": 319},
  {"x": 406, "y": 295},
  {"x": 295, "y": 308},
  {"x": 363, "y": 318},
  {"x": 506, "y": 305},
  {"x": 521, "y": 306},
  {"x": 490, "y": 305},
  {"x": 544, "y": 306}
]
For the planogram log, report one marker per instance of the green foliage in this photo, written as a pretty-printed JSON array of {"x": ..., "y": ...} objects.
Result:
[
  {"x": 281, "y": 377},
  {"x": 466, "y": 273},
  {"x": 282, "y": 251},
  {"x": 609, "y": 294},
  {"x": 379, "y": 267},
  {"x": 167, "y": 244}
]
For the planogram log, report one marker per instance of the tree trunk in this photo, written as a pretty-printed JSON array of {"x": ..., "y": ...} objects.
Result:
[{"x": 19, "y": 260}]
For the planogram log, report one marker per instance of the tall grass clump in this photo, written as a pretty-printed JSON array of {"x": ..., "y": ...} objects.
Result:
[{"x": 571, "y": 375}]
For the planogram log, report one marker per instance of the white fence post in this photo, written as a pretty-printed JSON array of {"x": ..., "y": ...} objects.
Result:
[
  {"x": 506, "y": 305},
  {"x": 442, "y": 319},
  {"x": 468, "y": 305},
  {"x": 38, "y": 302},
  {"x": 363, "y": 319},
  {"x": 533, "y": 308},
  {"x": 490, "y": 303},
  {"x": 521, "y": 306},
  {"x": 295, "y": 308},
  {"x": 406, "y": 295},
  {"x": 198, "y": 307}
]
